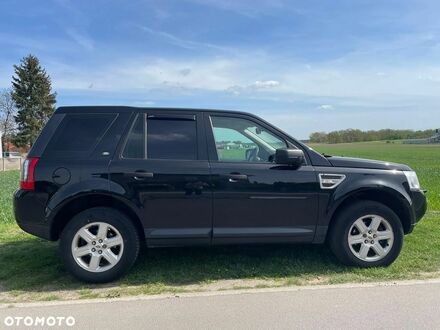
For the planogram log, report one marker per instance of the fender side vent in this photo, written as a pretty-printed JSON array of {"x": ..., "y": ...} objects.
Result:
[{"x": 330, "y": 181}]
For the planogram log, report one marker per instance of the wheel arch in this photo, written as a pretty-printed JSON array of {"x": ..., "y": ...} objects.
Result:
[
  {"x": 83, "y": 202},
  {"x": 388, "y": 197}
]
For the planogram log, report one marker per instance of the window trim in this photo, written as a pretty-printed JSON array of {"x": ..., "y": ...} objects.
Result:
[
  {"x": 162, "y": 116},
  {"x": 165, "y": 116}
]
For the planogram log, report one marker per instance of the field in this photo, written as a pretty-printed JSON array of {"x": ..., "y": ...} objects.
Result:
[
  {"x": 232, "y": 154},
  {"x": 30, "y": 268}
]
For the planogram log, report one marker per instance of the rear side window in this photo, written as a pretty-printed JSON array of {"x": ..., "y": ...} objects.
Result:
[
  {"x": 171, "y": 139},
  {"x": 78, "y": 134},
  {"x": 162, "y": 138}
]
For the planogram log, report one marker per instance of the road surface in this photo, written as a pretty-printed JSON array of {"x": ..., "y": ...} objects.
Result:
[{"x": 408, "y": 306}]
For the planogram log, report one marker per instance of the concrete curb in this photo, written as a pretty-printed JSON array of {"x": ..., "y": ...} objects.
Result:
[{"x": 221, "y": 293}]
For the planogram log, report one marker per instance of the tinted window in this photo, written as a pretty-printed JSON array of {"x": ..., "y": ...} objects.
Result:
[
  {"x": 135, "y": 145},
  {"x": 171, "y": 139},
  {"x": 107, "y": 146},
  {"x": 78, "y": 135}
]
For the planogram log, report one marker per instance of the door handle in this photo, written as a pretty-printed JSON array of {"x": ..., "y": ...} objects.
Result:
[
  {"x": 237, "y": 177},
  {"x": 141, "y": 175}
]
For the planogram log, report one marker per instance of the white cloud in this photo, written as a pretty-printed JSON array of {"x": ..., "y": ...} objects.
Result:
[
  {"x": 334, "y": 84},
  {"x": 326, "y": 107},
  {"x": 359, "y": 95},
  {"x": 81, "y": 39},
  {"x": 185, "y": 72},
  {"x": 208, "y": 75},
  {"x": 255, "y": 86},
  {"x": 182, "y": 42},
  {"x": 262, "y": 84},
  {"x": 235, "y": 90}
]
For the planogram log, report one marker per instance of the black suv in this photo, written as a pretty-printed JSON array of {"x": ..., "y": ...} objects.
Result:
[{"x": 104, "y": 180}]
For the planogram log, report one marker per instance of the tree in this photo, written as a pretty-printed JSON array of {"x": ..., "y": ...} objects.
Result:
[
  {"x": 318, "y": 137},
  {"x": 7, "y": 113},
  {"x": 356, "y": 135},
  {"x": 33, "y": 97}
]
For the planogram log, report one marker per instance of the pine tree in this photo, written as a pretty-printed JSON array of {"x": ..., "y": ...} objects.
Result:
[{"x": 33, "y": 97}]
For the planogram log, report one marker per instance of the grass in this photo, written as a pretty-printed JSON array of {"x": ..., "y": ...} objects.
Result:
[
  {"x": 8, "y": 183},
  {"x": 30, "y": 268},
  {"x": 232, "y": 154}
]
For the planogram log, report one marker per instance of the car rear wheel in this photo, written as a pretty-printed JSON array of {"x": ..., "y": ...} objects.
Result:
[
  {"x": 99, "y": 245},
  {"x": 366, "y": 234}
]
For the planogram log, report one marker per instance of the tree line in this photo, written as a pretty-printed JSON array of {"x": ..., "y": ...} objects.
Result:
[
  {"x": 27, "y": 105},
  {"x": 356, "y": 135}
]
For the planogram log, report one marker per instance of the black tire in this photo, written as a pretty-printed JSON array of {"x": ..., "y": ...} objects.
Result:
[
  {"x": 338, "y": 235},
  {"x": 121, "y": 223}
]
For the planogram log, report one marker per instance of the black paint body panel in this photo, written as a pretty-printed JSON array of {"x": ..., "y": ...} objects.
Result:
[
  {"x": 274, "y": 201},
  {"x": 349, "y": 162}
]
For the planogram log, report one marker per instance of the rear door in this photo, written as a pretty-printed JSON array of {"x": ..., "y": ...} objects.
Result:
[{"x": 163, "y": 169}]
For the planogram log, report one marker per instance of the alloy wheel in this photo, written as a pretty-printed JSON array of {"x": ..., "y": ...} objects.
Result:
[
  {"x": 97, "y": 247},
  {"x": 370, "y": 238}
]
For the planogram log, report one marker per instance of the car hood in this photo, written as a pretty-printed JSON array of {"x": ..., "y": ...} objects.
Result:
[{"x": 366, "y": 163}]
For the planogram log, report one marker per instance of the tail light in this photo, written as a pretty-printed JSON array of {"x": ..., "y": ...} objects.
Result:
[{"x": 27, "y": 181}]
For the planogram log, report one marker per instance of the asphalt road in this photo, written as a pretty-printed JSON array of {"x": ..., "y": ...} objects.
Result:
[{"x": 409, "y": 306}]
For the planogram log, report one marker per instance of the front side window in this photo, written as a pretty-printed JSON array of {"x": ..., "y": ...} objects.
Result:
[
  {"x": 242, "y": 140},
  {"x": 162, "y": 138}
]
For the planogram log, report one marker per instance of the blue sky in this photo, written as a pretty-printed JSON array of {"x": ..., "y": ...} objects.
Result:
[{"x": 303, "y": 65}]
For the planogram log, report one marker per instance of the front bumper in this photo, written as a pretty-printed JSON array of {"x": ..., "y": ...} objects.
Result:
[{"x": 419, "y": 206}]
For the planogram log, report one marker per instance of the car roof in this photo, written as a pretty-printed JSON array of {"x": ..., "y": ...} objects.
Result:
[{"x": 98, "y": 109}]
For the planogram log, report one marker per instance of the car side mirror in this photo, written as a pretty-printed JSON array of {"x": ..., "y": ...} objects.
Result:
[{"x": 292, "y": 157}]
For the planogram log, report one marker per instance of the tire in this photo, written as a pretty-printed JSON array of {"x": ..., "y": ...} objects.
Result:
[
  {"x": 81, "y": 235},
  {"x": 349, "y": 240}
]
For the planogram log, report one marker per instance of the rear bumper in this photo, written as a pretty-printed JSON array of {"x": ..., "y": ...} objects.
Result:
[{"x": 29, "y": 209}]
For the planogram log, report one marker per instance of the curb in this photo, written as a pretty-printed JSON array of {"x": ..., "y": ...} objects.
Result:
[{"x": 222, "y": 293}]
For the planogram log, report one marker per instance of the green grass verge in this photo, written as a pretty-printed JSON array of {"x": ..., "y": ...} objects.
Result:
[
  {"x": 30, "y": 268},
  {"x": 8, "y": 183}
]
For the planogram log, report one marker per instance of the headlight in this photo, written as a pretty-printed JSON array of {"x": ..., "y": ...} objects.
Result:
[{"x": 413, "y": 181}]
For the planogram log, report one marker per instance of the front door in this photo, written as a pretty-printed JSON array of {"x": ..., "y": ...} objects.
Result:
[
  {"x": 164, "y": 171},
  {"x": 256, "y": 200}
]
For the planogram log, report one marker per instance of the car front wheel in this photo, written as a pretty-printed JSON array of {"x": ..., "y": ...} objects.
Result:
[
  {"x": 366, "y": 234},
  {"x": 99, "y": 245}
]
